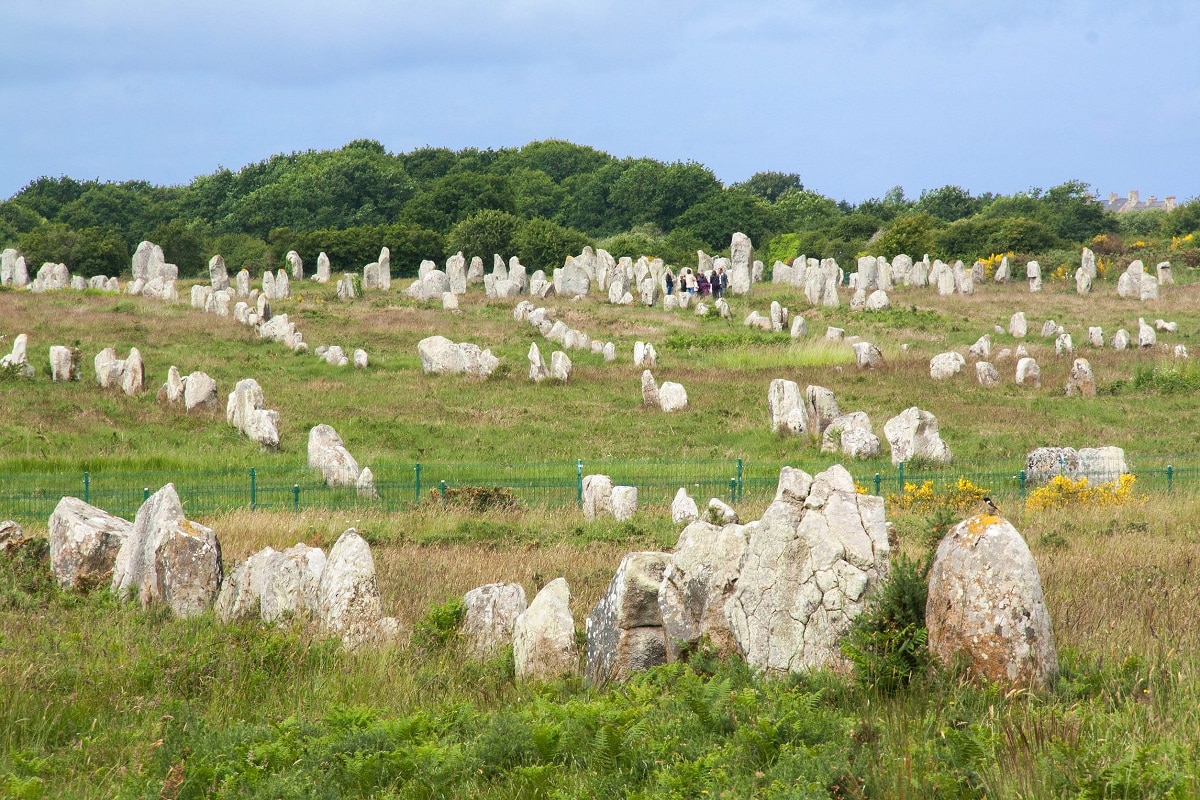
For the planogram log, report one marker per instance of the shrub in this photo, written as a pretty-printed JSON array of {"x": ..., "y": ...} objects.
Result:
[
  {"x": 478, "y": 498},
  {"x": 1063, "y": 492},
  {"x": 440, "y": 625},
  {"x": 961, "y": 496},
  {"x": 888, "y": 642}
]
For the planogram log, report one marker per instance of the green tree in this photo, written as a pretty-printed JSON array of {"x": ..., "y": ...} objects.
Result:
[
  {"x": 911, "y": 233},
  {"x": 183, "y": 244},
  {"x": 86, "y": 252},
  {"x": 968, "y": 238},
  {"x": 535, "y": 194},
  {"x": 718, "y": 216},
  {"x": 484, "y": 233},
  {"x": 770, "y": 186},
  {"x": 19, "y": 217},
  {"x": 949, "y": 203},
  {"x": 805, "y": 210},
  {"x": 46, "y": 195},
  {"x": 542, "y": 244},
  {"x": 560, "y": 159},
  {"x": 457, "y": 196}
]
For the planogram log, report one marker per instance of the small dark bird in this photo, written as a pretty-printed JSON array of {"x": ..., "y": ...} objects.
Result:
[{"x": 991, "y": 507}]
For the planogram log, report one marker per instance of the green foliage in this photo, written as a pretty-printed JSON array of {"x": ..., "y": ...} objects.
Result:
[
  {"x": 440, "y": 625},
  {"x": 909, "y": 233},
  {"x": 1169, "y": 378},
  {"x": 715, "y": 218},
  {"x": 478, "y": 499},
  {"x": 949, "y": 203},
  {"x": 88, "y": 252},
  {"x": 770, "y": 185},
  {"x": 18, "y": 217},
  {"x": 888, "y": 643},
  {"x": 183, "y": 244},
  {"x": 456, "y": 197},
  {"x": 542, "y": 244},
  {"x": 483, "y": 234}
]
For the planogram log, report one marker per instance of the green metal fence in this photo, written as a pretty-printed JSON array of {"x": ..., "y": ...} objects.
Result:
[{"x": 32, "y": 497}]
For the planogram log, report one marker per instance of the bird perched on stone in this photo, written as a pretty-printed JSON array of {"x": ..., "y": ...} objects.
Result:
[{"x": 990, "y": 506}]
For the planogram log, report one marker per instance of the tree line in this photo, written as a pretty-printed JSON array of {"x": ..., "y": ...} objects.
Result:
[{"x": 542, "y": 202}]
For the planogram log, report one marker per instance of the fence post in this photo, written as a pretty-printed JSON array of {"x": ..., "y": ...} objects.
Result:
[
  {"x": 1170, "y": 475},
  {"x": 87, "y": 487},
  {"x": 1024, "y": 478},
  {"x": 739, "y": 480},
  {"x": 253, "y": 490},
  {"x": 417, "y": 470},
  {"x": 442, "y": 486},
  {"x": 296, "y": 497},
  {"x": 579, "y": 482},
  {"x": 145, "y": 493},
  {"x": 732, "y": 491},
  {"x": 878, "y": 478},
  {"x": 1062, "y": 466},
  {"x": 900, "y": 476}
]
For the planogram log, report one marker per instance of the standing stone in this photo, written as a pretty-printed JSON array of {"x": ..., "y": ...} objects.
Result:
[
  {"x": 1083, "y": 281},
  {"x": 624, "y": 502},
  {"x": 560, "y": 366},
  {"x": 327, "y": 452},
  {"x": 987, "y": 374},
  {"x": 1121, "y": 340},
  {"x": 986, "y": 607},
  {"x": 537, "y": 366},
  {"x": 1017, "y": 326},
  {"x": 360, "y": 358},
  {"x": 348, "y": 603},
  {"x": 697, "y": 583},
  {"x": 242, "y": 590},
  {"x": 296, "y": 264},
  {"x": 1095, "y": 336},
  {"x": 244, "y": 411},
  {"x": 1087, "y": 263},
  {"x": 544, "y": 635},
  {"x": 456, "y": 273},
  {"x": 982, "y": 349},
  {"x": 268, "y": 285},
  {"x": 64, "y": 363},
  {"x": 650, "y": 391},
  {"x": 1028, "y": 372},
  {"x": 1146, "y": 335},
  {"x": 867, "y": 355},
  {"x": 913, "y": 434},
  {"x": 218, "y": 275},
  {"x": 786, "y": 411},
  {"x": 946, "y": 365},
  {"x": 242, "y": 283},
  {"x": 491, "y": 613},
  {"x": 821, "y": 409},
  {"x": 625, "y": 630},
  {"x": 108, "y": 368},
  {"x": 597, "y": 496},
  {"x": 683, "y": 508},
  {"x": 811, "y": 565},
  {"x": 1148, "y": 288},
  {"x": 290, "y": 588},
  {"x": 1081, "y": 380},
  {"x": 672, "y": 397},
  {"x": 741, "y": 257},
  {"x": 169, "y": 559},
  {"x": 323, "y": 269},
  {"x": 199, "y": 391},
  {"x": 84, "y": 542},
  {"x": 1163, "y": 271},
  {"x": 1063, "y": 345},
  {"x": 475, "y": 271},
  {"x": 283, "y": 287},
  {"x": 133, "y": 377}
]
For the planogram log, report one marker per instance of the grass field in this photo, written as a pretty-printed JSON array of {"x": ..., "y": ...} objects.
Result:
[{"x": 101, "y": 699}]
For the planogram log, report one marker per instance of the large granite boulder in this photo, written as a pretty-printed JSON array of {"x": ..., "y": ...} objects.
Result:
[
  {"x": 698, "y": 582},
  {"x": 1081, "y": 380},
  {"x": 291, "y": 587},
  {"x": 327, "y": 452},
  {"x": 672, "y": 397},
  {"x": 199, "y": 392},
  {"x": 218, "y": 275},
  {"x": 986, "y": 608},
  {"x": 913, "y": 435},
  {"x": 543, "y": 636},
  {"x": 491, "y": 613},
  {"x": 84, "y": 541},
  {"x": 597, "y": 496},
  {"x": 441, "y": 356},
  {"x": 348, "y": 602},
  {"x": 625, "y": 630},
  {"x": 243, "y": 589},
  {"x": 785, "y": 407},
  {"x": 244, "y": 411},
  {"x": 811, "y": 565},
  {"x": 741, "y": 262},
  {"x": 946, "y": 365},
  {"x": 683, "y": 507},
  {"x": 167, "y": 558},
  {"x": 64, "y": 363}
]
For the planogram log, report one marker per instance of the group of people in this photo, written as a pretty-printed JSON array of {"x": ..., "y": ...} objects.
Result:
[{"x": 714, "y": 283}]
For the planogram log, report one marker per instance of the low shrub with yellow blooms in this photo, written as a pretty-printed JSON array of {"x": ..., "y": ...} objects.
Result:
[
  {"x": 962, "y": 495},
  {"x": 992, "y": 263},
  {"x": 1063, "y": 492}
]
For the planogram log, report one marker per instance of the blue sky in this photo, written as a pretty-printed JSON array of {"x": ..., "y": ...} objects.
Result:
[{"x": 856, "y": 97}]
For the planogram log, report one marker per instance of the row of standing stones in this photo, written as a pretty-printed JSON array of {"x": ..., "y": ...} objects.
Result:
[{"x": 779, "y": 592}]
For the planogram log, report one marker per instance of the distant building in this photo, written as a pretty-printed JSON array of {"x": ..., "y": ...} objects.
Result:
[{"x": 1135, "y": 203}]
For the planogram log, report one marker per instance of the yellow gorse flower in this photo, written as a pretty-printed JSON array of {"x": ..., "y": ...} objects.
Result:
[{"x": 1064, "y": 492}]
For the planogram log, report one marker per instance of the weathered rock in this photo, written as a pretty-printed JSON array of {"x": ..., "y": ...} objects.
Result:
[
  {"x": 683, "y": 507},
  {"x": 360, "y": 358},
  {"x": 799, "y": 328},
  {"x": 820, "y": 408},
  {"x": 1146, "y": 335},
  {"x": 786, "y": 409},
  {"x": 987, "y": 374},
  {"x": 913, "y": 434},
  {"x": 1081, "y": 380},
  {"x": 867, "y": 355},
  {"x": 808, "y": 571},
  {"x": 1163, "y": 273},
  {"x": 348, "y": 603},
  {"x": 697, "y": 583},
  {"x": 624, "y": 503},
  {"x": 244, "y": 411},
  {"x": 133, "y": 375},
  {"x": 982, "y": 349},
  {"x": 1045, "y": 463},
  {"x": 946, "y": 365},
  {"x": 166, "y": 558},
  {"x": 878, "y": 301},
  {"x": 672, "y": 397},
  {"x": 1095, "y": 336},
  {"x": 84, "y": 541},
  {"x": 597, "y": 496},
  {"x": 1121, "y": 340},
  {"x": 544, "y": 635},
  {"x": 560, "y": 366},
  {"x": 1017, "y": 326},
  {"x": 243, "y": 588},
  {"x": 986, "y": 608},
  {"x": 491, "y": 613},
  {"x": 199, "y": 391},
  {"x": 440, "y": 356},
  {"x": 1064, "y": 345},
  {"x": 1083, "y": 281},
  {"x": 625, "y": 630},
  {"x": 291, "y": 586},
  {"x": 741, "y": 257},
  {"x": 1029, "y": 372},
  {"x": 851, "y": 435},
  {"x": 327, "y": 452},
  {"x": 324, "y": 270},
  {"x": 64, "y": 363},
  {"x": 719, "y": 512}
]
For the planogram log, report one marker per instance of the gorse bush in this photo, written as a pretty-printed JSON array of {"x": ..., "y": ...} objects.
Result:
[
  {"x": 1064, "y": 492},
  {"x": 888, "y": 643},
  {"x": 440, "y": 625},
  {"x": 962, "y": 495}
]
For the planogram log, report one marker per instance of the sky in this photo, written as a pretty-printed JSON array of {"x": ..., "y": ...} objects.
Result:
[{"x": 856, "y": 97}]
